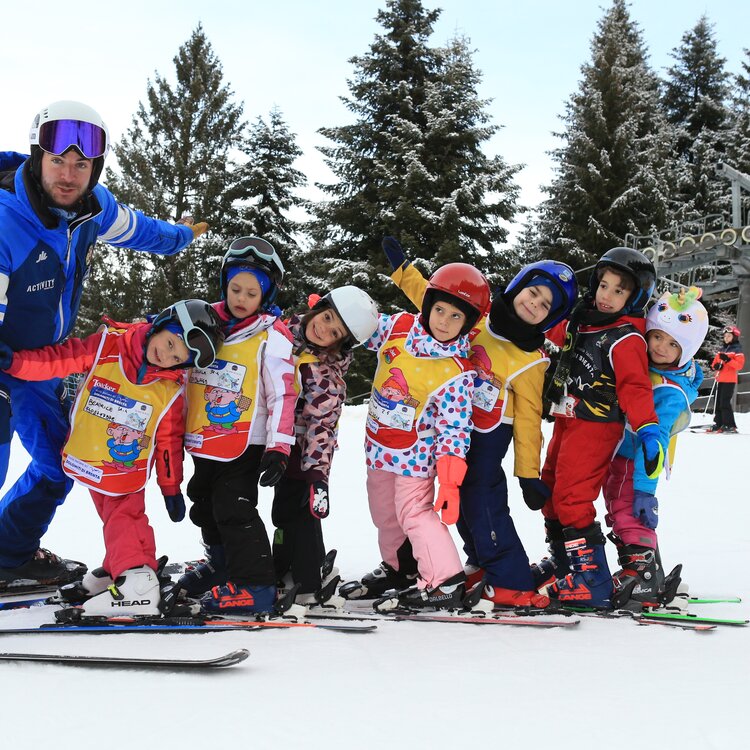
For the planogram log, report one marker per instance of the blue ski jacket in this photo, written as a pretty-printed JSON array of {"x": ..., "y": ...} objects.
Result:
[
  {"x": 674, "y": 392},
  {"x": 44, "y": 259}
]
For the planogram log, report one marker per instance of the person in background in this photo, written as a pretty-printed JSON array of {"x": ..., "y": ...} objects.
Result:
[{"x": 727, "y": 364}]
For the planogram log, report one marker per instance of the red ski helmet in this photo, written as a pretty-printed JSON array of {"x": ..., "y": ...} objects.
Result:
[
  {"x": 734, "y": 331},
  {"x": 467, "y": 289}
]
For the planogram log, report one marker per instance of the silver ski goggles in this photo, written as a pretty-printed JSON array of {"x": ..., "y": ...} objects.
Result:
[
  {"x": 57, "y": 136},
  {"x": 196, "y": 339}
]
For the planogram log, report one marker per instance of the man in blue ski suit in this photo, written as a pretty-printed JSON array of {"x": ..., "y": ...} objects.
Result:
[{"x": 52, "y": 211}]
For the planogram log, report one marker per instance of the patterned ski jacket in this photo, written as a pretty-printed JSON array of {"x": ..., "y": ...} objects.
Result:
[
  {"x": 79, "y": 355},
  {"x": 321, "y": 400},
  {"x": 438, "y": 422},
  {"x": 674, "y": 391},
  {"x": 45, "y": 260}
]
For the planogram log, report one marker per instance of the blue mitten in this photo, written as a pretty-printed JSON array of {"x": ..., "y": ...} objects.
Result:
[
  {"x": 6, "y": 356},
  {"x": 394, "y": 252},
  {"x": 653, "y": 453},
  {"x": 535, "y": 492},
  {"x": 175, "y": 506},
  {"x": 646, "y": 508}
]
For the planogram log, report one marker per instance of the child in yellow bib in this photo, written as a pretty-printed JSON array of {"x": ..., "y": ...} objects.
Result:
[
  {"x": 128, "y": 414},
  {"x": 240, "y": 429},
  {"x": 418, "y": 425}
]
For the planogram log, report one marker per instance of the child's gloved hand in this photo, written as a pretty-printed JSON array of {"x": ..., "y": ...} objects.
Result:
[
  {"x": 535, "y": 492},
  {"x": 175, "y": 506},
  {"x": 6, "y": 356},
  {"x": 653, "y": 453},
  {"x": 723, "y": 356},
  {"x": 451, "y": 471},
  {"x": 394, "y": 252},
  {"x": 272, "y": 468},
  {"x": 320, "y": 504},
  {"x": 646, "y": 508}
]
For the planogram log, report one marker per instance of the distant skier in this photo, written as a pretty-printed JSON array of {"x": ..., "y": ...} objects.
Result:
[{"x": 727, "y": 363}]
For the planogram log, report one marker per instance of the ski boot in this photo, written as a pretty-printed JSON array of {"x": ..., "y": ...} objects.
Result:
[
  {"x": 135, "y": 592},
  {"x": 204, "y": 575},
  {"x": 549, "y": 569},
  {"x": 640, "y": 579},
  {"x": 448, "y": 595},
  {"x": 44, "y": 569},
  {"x": 590, "y": 583},
  {"x": 329, "y": 581},
  {"x": 513, "y": 598},
  {"x": 374, "y": 585},
  {"x": 239, "y": 599},
  {"x": 474, "y": 574},
  {"x": 93, "y": 582}
]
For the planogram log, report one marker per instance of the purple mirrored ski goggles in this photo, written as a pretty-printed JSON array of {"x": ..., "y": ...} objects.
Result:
[{"x": 57, "y": 136}]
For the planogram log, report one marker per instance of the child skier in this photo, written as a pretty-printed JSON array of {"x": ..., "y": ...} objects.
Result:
[
  {"x": 323, "y": 341},
  {"x": 675, "y": 329},
  {"x": 127, "y": 414},
  {"x": 419, "y": 422},
  {"x": 510, "y": 365},
  {"x": 240, "y": 429},
  {"x": 727, "y": 364},
  {"x": 601, "y": 378}
]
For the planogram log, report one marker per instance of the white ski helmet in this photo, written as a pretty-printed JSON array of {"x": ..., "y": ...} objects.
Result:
[
  {"x": 683, "y": 317},
  {"x": 357, "y": 311},
  {"x": 67, "y": 124}
]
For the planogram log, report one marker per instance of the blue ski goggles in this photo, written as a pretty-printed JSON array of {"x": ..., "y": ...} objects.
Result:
[{"x": 57, "y": 136}]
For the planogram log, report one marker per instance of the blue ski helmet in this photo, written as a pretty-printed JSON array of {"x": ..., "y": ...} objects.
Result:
[
  {"x": 558, "y": 277},
  {"x": 634, "y": 263}
]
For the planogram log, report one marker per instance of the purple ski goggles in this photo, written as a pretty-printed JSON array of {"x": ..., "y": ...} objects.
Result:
[{"x": 57, "y": 136}]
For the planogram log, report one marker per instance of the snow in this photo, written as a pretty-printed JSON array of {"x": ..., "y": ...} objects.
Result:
[{"x": 610, "y": 683}]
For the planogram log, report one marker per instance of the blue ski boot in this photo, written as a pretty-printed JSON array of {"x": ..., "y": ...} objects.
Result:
[
  {"x": 590, "y": 582},
  {"x": 203, "y": 576},
  {"x": 239, "y": 600}
]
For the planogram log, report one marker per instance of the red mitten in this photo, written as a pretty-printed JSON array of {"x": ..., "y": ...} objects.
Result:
[{"x": 451, "y": 471}]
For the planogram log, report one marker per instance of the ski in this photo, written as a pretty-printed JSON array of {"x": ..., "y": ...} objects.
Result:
[
  {"x": 715, "y": 600},
  {"x": 227, "y": 660},
  {"x": 27, "y": 587},
  {"x": 700, "y": 627},
  {"x": 175, "y": 625},
  {"x": 645, "y": 615}
]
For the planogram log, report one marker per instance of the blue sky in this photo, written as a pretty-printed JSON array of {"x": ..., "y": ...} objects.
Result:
[{"x": 294, "y": 54}]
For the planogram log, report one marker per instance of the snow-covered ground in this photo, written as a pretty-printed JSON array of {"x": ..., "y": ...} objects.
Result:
[{"x": 610, "y": 684}]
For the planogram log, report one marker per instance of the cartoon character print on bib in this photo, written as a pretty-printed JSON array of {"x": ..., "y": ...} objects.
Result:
[
  {"x": 113, "y": 426},
  {"x": 222, "y": 400}
]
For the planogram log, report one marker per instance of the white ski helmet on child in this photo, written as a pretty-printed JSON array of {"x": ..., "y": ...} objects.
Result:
[
  {"x": 357, "y": 311},
  {"x": 683, "y": 317}
]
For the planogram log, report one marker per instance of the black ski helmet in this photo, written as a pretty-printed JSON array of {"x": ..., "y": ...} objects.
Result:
[
  {"x": 256, "y": 253},
  {"x": 201, "y": 329},
  {"x": 636, "y": 265}
]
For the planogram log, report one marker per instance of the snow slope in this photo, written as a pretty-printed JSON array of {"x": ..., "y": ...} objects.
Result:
[{"x": 613, "y": 684}]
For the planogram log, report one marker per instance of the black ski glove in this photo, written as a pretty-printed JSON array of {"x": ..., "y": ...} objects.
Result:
[
  {"x": 272, "y": 468},
  {"x": 724, "y": 357},
  {"x": 175, "y": 506},
  {"x": 535, "y": 492},
  {"x": 394, "y": 252}
]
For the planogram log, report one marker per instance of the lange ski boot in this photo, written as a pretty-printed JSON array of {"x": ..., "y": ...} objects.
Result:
[
  {"x": 640, "y": 580},
  {"x": 200, "y": 578},
  {"x": 239, "y": 599},
  {"x": 375, "y": 584},
  {"x": 549, "y": 569},
  {"x": 590, "y": 582}
]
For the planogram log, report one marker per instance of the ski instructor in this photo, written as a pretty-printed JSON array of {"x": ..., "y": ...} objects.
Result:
[{"x": 52, "y": 211}]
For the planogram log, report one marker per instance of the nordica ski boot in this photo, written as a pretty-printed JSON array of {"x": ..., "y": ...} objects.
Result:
[
  {"x": 640, "y": 581},
  {"x": 590, "y": 583},
  {"x": 374, "y": 585},
  {"x": 448, "y": 595},
  {"x": 549, "y": 569},
  {"x": 204, "y": 575}
]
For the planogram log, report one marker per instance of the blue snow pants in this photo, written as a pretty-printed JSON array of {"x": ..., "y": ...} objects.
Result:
[
  {"x": 26, "y": 510},
  {"x": 490, "y": 538}
]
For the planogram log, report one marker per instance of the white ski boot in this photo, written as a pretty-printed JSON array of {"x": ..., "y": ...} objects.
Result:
[{"x": 135, "y": 592}]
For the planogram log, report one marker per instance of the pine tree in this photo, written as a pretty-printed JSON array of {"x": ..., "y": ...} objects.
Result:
[
  {"x": 612, "y": 173},
  {"x": 411, "y": 165},
  {"x": 738, "y": 154},
  {"x": 175, "y": 160},
  {"x": 695, "y": 99},
  {"x": 268, "y": 181}
]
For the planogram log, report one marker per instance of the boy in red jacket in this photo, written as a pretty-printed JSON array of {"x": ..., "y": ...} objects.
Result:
[
  {"x": 127, "y": 413},
  {"x": 600, "y": 380}
]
